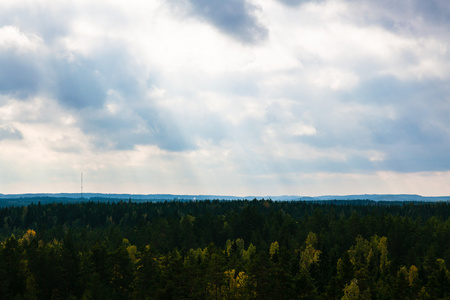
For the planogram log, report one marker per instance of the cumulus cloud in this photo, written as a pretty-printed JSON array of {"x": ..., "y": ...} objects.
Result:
[
  {"x": 234, "y": 17},
  {"x": 20, "y": 71},
  {"x": 297, "y": 2},
  {"x": 78, "y": 85},
  {"x": 413, "y": 17},
  {"x": 258, "y": 91},
  {"x": 10, "y": 133}
]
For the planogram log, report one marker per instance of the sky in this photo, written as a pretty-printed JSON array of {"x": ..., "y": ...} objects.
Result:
[{"x": 225, "y": 97}]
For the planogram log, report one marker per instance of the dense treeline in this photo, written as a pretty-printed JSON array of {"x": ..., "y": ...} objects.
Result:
[{"x": 225, "y": 250}]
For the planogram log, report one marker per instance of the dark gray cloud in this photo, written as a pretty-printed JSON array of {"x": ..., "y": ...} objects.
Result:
[
  {"x": 413, "y": 17},
  {"x": 414, "y": 138},
  {"x": 234, "y": 17},
  {"x": 297, "y": 2},
  {"x": 19, "y": 73},
  {"x": 433, "y": 10},
  {"x": 406, "y": 121},
  {"x": 84, "y": 81},
  {"x": 416, "y": 158},
  {"x": 397, "y": 15},
  {"x": 78, "y": 84},
  {"x": 384, "y": 124},
  {"x": 81, "y": 85},
  {"x": 125, "y": 130},
  {"x": 171, "y": 135},
  {"x": 258, "y": 162}
]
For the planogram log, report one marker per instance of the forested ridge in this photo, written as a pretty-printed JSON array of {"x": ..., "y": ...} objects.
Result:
[{"x": 259, "y": 249}]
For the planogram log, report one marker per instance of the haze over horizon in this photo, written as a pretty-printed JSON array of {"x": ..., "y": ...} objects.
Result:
[{"x": 231, "y": 97}]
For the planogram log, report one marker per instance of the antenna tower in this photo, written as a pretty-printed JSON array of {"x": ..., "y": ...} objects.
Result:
[{"x": 81, "y": 185}]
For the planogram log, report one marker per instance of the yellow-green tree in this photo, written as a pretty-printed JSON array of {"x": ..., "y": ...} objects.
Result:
[
  {"x": 309, "y": 255},
  {"x": 237, "y": 286},
  {"x": 351, "y": 291}
]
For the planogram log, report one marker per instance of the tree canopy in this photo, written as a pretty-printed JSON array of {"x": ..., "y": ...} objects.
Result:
[{"x": 225, "y": 250}]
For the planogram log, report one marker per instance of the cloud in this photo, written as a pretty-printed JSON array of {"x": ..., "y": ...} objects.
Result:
[
  {"x": 433, "y": 11},
  {"x": 234, "y": 17},
  {"x": 19, "y": 69},
  {"x": 78, "y": 85},
  {"x": 127, "y": 129},
  {"x": 297, "y": 2},
  {"x": 10, "y": 133},
  {"x": 198, "y": 93},
  {"x": 48, "y": 19},
  {"x": 19, "y": 75}
]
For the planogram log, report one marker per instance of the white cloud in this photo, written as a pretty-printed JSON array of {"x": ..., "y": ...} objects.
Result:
[
  {"x": 333, "y": 79},
  {"x": 12, "y": 37},
  {"x": 162, "y": 97},
  {"x": 300, "y": 129}
]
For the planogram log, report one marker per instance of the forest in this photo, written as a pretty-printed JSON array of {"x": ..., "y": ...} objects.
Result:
[{"x": 213, "y": 249}]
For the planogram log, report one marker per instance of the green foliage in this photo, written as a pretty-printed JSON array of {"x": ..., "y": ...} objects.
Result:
[
  {"x": 225, "y": 250},
  {"x": 309, "y": 255},
  {"x": 351, "y": 291}
]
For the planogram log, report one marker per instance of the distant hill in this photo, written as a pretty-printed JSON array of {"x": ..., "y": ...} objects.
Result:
[
  {"x": 26, "y": 199},
  {"x": 373, "y": 197},
  {"x": 381, "y": 197},
  {"x": 121, "y": 196}
]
